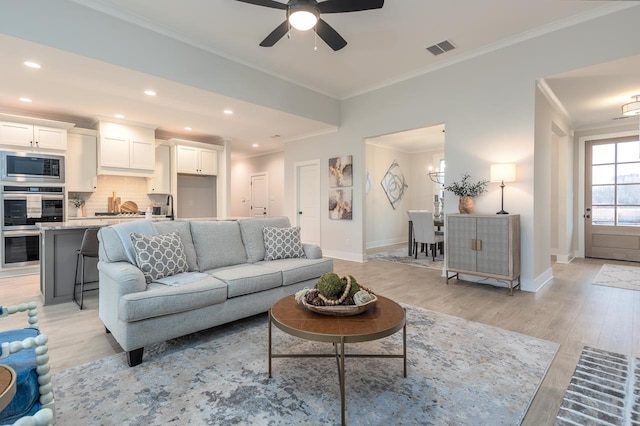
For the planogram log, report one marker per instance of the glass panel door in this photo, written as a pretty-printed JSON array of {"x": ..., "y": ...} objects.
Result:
[{"x": 612, "y": 182}]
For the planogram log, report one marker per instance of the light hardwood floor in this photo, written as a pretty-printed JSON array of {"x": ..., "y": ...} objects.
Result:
[{"x": 568, "y": 310}]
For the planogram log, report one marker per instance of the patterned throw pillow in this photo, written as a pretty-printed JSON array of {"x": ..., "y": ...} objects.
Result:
[
  {"x": 282, "y": 243},
  {"x": 159, "y": 256}
]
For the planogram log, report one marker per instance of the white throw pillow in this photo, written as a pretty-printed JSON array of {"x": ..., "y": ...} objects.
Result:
[{"x": 282, "y": 243}]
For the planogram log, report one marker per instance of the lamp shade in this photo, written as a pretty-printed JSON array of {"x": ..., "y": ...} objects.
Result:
[
  {"x": 632, "y": 108},
  {"x": 505, "y": 172}
]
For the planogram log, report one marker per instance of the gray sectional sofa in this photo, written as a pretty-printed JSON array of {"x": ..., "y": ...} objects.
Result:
[{"x": 227, "y": 278}]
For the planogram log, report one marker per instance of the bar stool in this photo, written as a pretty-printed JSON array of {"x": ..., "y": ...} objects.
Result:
[{"x": 88, "y": 248}]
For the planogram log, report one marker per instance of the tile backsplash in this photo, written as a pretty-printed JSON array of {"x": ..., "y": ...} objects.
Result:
[{"x": 126, "y": 187}]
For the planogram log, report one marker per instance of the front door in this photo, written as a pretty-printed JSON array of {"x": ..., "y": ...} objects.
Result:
[{"x": 612, "y": 199}]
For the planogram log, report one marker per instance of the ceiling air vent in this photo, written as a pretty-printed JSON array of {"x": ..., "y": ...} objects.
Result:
[{"x": 443, "y": 46}]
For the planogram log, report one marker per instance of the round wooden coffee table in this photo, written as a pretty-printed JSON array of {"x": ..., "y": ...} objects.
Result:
[
  {"x": 384, "y": 319},
  {"x": 7, "y": 385}
]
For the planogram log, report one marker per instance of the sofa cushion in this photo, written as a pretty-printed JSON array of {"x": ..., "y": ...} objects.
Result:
[
  {"x": 247, "y": 279},
  {"x": 298, "y": 270},
  {"x": 282, "y": 243},
  {"x": 159, "y": 256},
  {"x": 217, "y": 244},
  {"x": 184, "y": 231},
  {"x": 159, "y": 299},
  {"x": 252, "y": 235},
  {"x": 124, "y": 231}
]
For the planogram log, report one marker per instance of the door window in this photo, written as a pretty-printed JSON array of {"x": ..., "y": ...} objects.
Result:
[{"x": 615, "y": 184}]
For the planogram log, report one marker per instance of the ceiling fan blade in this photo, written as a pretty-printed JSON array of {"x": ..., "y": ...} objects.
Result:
[
  {"x": 337, "y": 6},
  {"x": 266, "y": 3},
  {"x": 329, "y": 35},
  {"x": 276, "y": 35}
]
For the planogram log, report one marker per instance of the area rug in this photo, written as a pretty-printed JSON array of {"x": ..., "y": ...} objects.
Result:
[
  {"x": 400, "y": 256},
  {"x": 620, "y": 276},
  {"x": 459, "y": 373},
  {"x": 604, "y": 390}
]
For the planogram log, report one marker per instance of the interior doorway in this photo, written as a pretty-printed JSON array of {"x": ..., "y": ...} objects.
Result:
[
  {"x": 259, "y": 195},
  {"x": 417, "y": 153},
  {"x": 307, "y": 200}
]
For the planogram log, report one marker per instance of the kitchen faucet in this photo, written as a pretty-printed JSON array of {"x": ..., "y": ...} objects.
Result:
[{"x": 170, "y": 207}]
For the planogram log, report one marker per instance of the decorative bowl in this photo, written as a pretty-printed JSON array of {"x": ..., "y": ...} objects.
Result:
[{"x": 341, "y": 310}]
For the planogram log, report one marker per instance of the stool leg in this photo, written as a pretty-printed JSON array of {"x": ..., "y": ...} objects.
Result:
[
  {"x": 82, "y": 282},
  {"x": 75, "y": 280}
]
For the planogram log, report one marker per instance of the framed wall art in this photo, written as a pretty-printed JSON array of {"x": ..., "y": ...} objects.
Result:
[
  {"x": 341, "y": 171},
  {"x": 394, "y": 184},
  {"x": 340, "y": 204}
]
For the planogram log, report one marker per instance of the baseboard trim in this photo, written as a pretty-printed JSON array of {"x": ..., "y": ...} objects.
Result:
[
  {"x": 541, "y": 280},
  {"x": 566, "y": 258},
  {"x": 384, "y": 243},
  {"x": 353, "y": 257}
]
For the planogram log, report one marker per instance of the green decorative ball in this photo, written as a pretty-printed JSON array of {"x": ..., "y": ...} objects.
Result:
[
  {"x": 330, "y": 285},
  {"x": 355, "y": 287}
]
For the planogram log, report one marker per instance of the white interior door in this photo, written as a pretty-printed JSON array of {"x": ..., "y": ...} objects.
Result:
[
  {"x": 308, "y": 200},
  {"x": 259, "y": 195}
]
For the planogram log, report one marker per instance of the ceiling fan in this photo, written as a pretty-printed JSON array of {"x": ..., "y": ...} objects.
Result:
[{"x": 305, "y": 14}]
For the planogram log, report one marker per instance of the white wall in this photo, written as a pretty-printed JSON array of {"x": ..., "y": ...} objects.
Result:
[
  {"x": 384, "y": 225},
  {"x": 241, "y": 171},
  {"x": 488, "y": 103}
]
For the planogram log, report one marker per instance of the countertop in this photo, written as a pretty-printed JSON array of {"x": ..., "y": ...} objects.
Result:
[{"x": 97, "y": 222}]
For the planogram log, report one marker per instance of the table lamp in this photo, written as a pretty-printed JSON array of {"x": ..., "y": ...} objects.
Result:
[{"x": 505, "y": 172}]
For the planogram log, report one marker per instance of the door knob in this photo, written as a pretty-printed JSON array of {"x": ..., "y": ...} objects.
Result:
[{"x": 300, "y": 212}]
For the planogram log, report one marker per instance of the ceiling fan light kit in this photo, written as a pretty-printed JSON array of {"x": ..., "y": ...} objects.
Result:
[
  {"x": 304, "y": 15},
  {"x": 632, "y": 108}
]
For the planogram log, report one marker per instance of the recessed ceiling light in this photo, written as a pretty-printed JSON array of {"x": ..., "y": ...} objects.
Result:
[
  {"x": 32, "y": 64},
  {"x": 119, "y": 116},
  {"x": 187, "y": 128},
  {"x": 228, "y": 111},
  {"x": 149, "y": 93},
  {"x": 25, "y": 100},
  {"x": 255, "y": 145}
]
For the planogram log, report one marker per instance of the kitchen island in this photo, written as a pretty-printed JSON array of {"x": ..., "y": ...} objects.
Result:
[{"x": 59, "y": 244}]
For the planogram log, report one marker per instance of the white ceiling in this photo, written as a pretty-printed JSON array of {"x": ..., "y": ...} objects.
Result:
[{"x": 385, "y": 46}]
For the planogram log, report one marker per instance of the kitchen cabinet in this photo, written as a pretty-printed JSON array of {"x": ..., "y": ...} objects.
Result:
[
  {"x": 197, "y": 161},
  {"x": 126, "y": 150},
  {"x": 32, "y": 136},
  {"x": 160, "y": 183},
  {"x": 81, "y": 163},
  {"x": 484, "y": 245}
]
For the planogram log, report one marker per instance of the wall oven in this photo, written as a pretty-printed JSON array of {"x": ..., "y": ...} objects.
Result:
[
  {"x": 21, "y": 207},
  {"x": 31, "y": 167}
]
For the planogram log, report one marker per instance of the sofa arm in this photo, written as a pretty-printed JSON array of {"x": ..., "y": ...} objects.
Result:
[
  {"x": 121, "y": 277},
  {"x": 312, "y": 251}
]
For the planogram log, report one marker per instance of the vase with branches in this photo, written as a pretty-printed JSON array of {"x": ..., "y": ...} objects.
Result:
[
  {"x": 77, "y": 202},
  {"x": 467, "y": 191}
]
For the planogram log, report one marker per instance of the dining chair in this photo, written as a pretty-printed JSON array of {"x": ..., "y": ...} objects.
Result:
[{"x": 424, "y": 232}]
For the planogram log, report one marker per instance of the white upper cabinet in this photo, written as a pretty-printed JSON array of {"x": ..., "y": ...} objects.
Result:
[
  {"x": 81, "y": 162},
  {"x": 32, "y": 136},
  {"x": 196, "y": 161},
  {"x": 160, "y": 183},
  {"x": 126, "y": 150}
]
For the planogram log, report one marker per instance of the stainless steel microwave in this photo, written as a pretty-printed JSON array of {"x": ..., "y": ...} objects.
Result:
[{"x": 31, "y": 167}]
